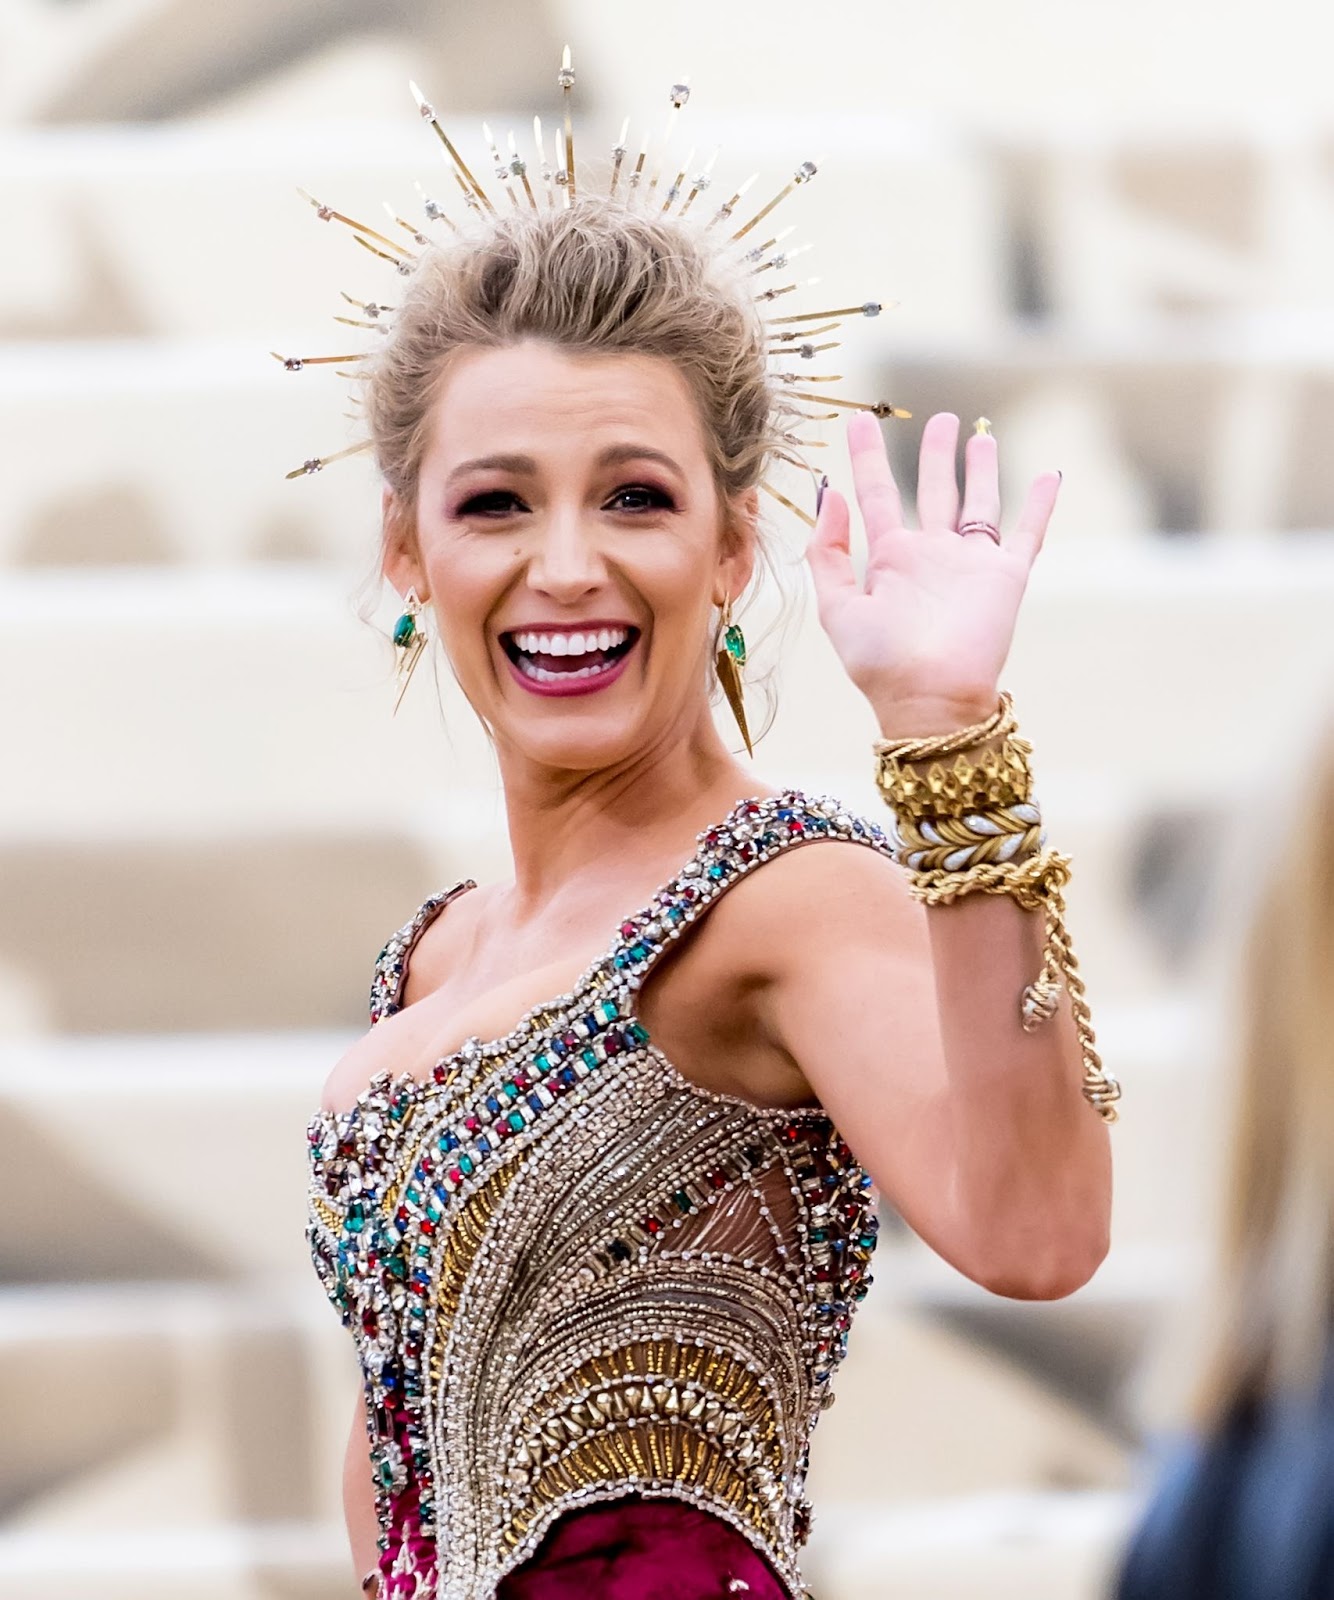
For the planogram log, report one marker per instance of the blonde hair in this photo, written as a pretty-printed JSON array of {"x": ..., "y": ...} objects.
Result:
[
  {"x": 1274, "y": 1312},
  {"x": 596, "y": 278}
]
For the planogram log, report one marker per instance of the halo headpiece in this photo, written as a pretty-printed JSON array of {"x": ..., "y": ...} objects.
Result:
[{"x": 666, "y": 186}]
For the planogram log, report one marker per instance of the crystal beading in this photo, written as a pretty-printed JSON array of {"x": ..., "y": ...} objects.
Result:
[{"x": 572, "y": 1274}]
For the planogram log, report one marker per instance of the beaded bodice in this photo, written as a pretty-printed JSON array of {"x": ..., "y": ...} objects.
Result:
[{"x": 571, "y": 1273}]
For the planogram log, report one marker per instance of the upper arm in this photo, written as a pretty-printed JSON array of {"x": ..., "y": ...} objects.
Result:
[{"x": 850, "y": 995}]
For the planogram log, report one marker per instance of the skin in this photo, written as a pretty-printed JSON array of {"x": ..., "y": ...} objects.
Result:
[{"x": 818, "y": 978}]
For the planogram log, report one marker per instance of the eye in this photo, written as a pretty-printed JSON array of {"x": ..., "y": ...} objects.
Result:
[
  {"x": 641, "y": 497},
  {"x": 491, "y": 503}
]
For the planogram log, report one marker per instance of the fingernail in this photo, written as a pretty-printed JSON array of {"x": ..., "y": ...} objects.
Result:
[
  {"x": 819, "y": 493},
  {"x": 982, "y": 425}
]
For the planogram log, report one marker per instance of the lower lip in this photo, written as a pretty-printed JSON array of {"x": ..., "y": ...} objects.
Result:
[{"x": 576, "y": 686}]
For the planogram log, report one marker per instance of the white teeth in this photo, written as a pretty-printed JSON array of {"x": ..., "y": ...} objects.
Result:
[
  {"x": 530, "y": 669},
  {"x": 570, "y": 644}
]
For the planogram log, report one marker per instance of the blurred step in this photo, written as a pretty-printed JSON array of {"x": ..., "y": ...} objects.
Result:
[
  {"x": 183, "y": 444},
  {"x": 185, "y": 1158},
  {"x": 1037, "y": 1546},
  {"x": 937, "y": 1412},
  {"x": 281, "y": 929},
  {"x": 178, "y": 691},
  {"x": 239, "y": 1397},
  {"x": 241, "y": 1561},
  {"x": 160, "y": 209},
  {"x": 250, "y": 1403}
]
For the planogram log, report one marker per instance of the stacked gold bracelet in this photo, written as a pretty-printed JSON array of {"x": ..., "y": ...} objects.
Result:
[{"x": 973, "y": 827}]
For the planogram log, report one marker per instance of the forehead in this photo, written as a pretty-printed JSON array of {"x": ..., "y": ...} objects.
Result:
[{"x": 543, "y": 401}]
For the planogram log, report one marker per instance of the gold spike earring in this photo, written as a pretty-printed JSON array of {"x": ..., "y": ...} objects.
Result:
[
  {"x": 409, "y": 642},
  {"x": 730, "y": 660}
]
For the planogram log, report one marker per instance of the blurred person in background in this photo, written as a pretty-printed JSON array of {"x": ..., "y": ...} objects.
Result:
[{"x": 1245, "y": 1507}]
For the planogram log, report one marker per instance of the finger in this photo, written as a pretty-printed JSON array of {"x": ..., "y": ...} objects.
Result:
[
  {"x": 937, "y": 481},
  {"x": 981, "y": 482},
  {"x": 877, "y": 493},
  {"x": 828, "y": 552},
  {"x": 1026, "y": 540}
]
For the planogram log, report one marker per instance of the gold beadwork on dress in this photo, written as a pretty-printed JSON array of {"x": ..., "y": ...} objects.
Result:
[{"x": 573, "y": 1274}]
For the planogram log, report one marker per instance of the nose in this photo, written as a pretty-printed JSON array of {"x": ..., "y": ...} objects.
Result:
[{"x": 567, "y": 562}]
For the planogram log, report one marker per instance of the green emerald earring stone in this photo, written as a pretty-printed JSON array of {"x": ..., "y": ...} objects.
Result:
[
  {"x": 404, "y": 628},
  {"x": 734, "y": 642}
]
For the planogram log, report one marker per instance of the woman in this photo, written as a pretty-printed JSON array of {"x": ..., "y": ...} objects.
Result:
[
  {"x": 1246, "y": 1509},
  {"x": 600, "y": 1252}
]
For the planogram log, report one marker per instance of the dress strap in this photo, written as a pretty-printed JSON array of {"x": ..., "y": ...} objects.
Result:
[
  {"x": 391, "y": 965},
  {"x": 753, "y": 832}
]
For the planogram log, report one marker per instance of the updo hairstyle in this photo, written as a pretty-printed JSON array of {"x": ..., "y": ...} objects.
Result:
[{"x": 595, "y": 278}]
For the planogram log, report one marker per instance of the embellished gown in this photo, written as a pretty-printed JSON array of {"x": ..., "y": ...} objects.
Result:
[{"x": 597, "y": 1307}]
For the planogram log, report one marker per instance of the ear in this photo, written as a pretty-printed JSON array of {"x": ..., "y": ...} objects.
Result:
[
  {"x": 740, "y": 542},
  {"x": 400, "y": 560}
]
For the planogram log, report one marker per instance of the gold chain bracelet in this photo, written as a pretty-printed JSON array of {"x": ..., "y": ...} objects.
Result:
[{"x": 973, "y": 828}]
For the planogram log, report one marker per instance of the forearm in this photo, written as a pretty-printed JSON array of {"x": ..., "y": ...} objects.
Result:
[{"x": 1029, "y": 1159}]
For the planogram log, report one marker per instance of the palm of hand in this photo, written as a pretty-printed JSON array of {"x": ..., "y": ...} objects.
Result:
[{"x": 931, "y": 623}]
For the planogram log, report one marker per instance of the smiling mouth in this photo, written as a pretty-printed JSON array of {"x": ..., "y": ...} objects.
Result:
[{"x": 567, "y": 657}]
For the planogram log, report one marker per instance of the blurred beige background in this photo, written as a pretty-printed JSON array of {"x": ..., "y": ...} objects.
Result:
[{"x": 1110, "y": 229}]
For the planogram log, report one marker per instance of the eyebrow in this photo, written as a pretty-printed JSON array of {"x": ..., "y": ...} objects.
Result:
[{"x": 612, "y": 456}]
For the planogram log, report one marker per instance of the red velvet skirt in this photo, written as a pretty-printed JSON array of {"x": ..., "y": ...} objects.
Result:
[{"x": 637, "y": 1548}]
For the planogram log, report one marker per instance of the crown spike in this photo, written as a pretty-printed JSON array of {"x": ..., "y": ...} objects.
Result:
[
  {"x": 725, "y": 211},
  {"x": 677, "y": 96},
  {"x": 807, "y": 351},
  {"x": 783, "y": 500},
  {"x": 502, "y": 171},
  {"x": 428, "y": 115},
  {"x": 547, "y": 175},
  {"x": 674, "y": 193},
  {"x": 469, "y": 197},
  {"x": 403, "y": 263},
  {"x": 295, "y": 363},
  {"x": 565, "y": 77},
  {"x": 807, "y": 334},
  {"x": 781, "y": 259},
  {"x": 372, "y": 308},
  {"x": 878, "y": 408},
  {"x": 328, "y": 214},
  {"x": 804, "y": 173},
  {"x": 794, "y": 461},
  {"x": 519, "y": 169},
  {"x": 315, "y": 463},
  {"x": 869, "y": 308},
  {"x": 759, "y": 251},
  {"x": 701, "y": 182},
  {"x": 618, "y": 154},
  {"x": 418, "y": 237},
  {"x": 433, "y": 212},
  {"x": 638, "y": 172}
]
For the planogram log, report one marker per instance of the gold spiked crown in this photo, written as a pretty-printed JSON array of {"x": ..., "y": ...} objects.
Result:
[{"x": 660, "y": 183}]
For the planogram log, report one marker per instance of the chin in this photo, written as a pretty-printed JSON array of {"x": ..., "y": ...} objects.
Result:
[{"x": 574, "y": 748}]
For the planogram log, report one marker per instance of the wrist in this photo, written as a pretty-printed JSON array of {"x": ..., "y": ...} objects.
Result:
[{"x": 930, "y": 718}]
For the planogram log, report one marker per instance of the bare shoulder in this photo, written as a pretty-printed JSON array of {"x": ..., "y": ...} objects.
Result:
[{"x": 819, "y": 899}]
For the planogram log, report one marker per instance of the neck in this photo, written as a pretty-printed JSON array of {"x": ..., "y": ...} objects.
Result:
[{"x": 632, "y": 819}]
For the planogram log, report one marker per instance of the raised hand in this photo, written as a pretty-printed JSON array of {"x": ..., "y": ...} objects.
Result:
[{"x": 925, "y": 636}]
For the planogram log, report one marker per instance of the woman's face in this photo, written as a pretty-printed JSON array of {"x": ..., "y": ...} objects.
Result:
[{"x": 571, "y": 543}]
